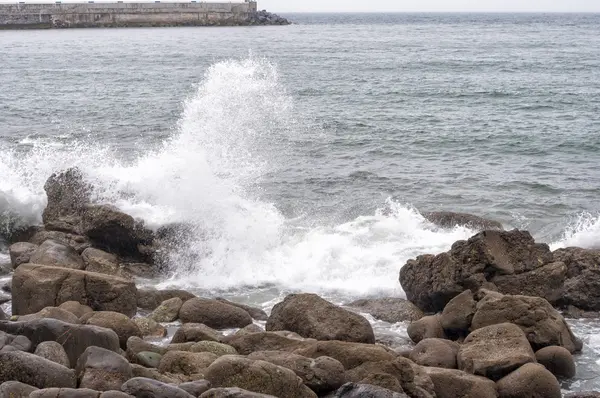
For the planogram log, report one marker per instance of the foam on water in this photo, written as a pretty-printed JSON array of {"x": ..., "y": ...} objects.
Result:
[{"x": 584, "y": 232}]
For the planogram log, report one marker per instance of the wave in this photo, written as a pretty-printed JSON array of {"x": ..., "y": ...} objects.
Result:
[{"x": 583, "y": 231}]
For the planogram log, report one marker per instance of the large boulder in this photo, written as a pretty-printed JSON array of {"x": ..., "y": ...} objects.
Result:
[
  {"x": 102, "y": 370},
  {"x": 213, "y": 313},
  {"x": 37, "y": 286},
  {"x": 53, "y": 313},
  {"x": 356, "y": 390},
  {"x": 311, "y": 316},
  {"x": 67, "y": 194},
  {"x": 543, "y": 325},
  {"x": 448, "y": 219},
  {"x": 16, "y": 389},
  {"x": 195, "y": 332},
  {"x": 432, "y": 281},
  {"x": 530, "y": 380},
  {"x": 264, "y": 341},
  {"x": 389, "y": 309},
  {"x": 233, "y": 392},
  {"x": 349, "y": 354},
  {"x": 255, "y": 313},
  {"x": 76, "y": 308},
  {"x": 77, "y": 242},
  {"x": 74, "y": 338},
  {"x": 35, "y": 371},
  {"x": 141, "y": 387},
  {"x": 428, "y": 327},
  {"x": 557, "y": 360},
  {"x": 322, "y": 374},
  {"x": 20, "y": 253},
  {"x": 55, "y": 253},
  {"x": 218, "y": 349},
  {"x": 196, "y": 388},
  {"x": 397, "y": 374},
  {"x": 451, "y": 383},
  {"x": 168, "y": 311},
  {"x": 258, "y": 376},
  {"x": 149, "y": 327},
  {"x": 458, "y": 314},
  {"x": 150, "y": 299},
  {"x": 53, "y": 351},
  {"x": 187, "y": 363},
  {"x": 435, "y": 352},
  {"x": 97, "y": 260},
  {"x": 582, "y": 287},
  {"x": 123, "y": 326},
  {"x": 495, "y": 351}
]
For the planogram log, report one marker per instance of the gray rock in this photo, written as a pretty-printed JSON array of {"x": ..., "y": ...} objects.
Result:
[
  {"x": 76, "y": 308},
  {"x": 351, "y": 355},
  {"x": 427, "y": 327},
  {"x": 434, "y": 352},
  {"x": 102, "y": 370},
  {"x": 35, "y": 371},
  {"x": 141, "y": 387},
  {"x": 264, "y": 341},
  {"x": 187, "y": 363},
  {"x": 150, "y": 299},
  {"x": 196, "y": 388},
  {"x": 167, "y": 311},
  {"x": 21, "y": 343},
  {"x": 196, "y": 332},
  {"x": 148, "y": 359},
  {"x": 149, "y": 327},
  {"x": 218, "y": 349},
  {"x": 448, "y": 219},
  {"x": 255, "y": 313},
  {"x": 15, "y": 389},
  {"x": 233, "y": 392},
  {"x": 458, "y": 314},
  {"x": 530, "y": 380},
  {"x": 100, "y": 261},
  {"x": 56, "y": 254},
  {"x": 557, "y": 360},
  {"x": 20, "y": 253},
  {"x": 121, "y": 324},
  {"x": 450, "y": 383},
  {"x": 65, "y": 393},
  {"x": 53, "y": 351},
  {"x": 67, "y": 194},
  {"x": 355, "y": 390},
  {"x": 214, "y": 314},
  {"x": 53, "y": 313},
  {"x": 389, "y": 309}
]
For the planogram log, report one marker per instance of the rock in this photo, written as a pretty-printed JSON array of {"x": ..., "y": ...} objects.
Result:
[
  {"x": 115, "y": 394},
  {"x": 195, "y": 332},
  {"x": 121, "y": 324},
  {"x": 582, "y": 287},
  {"x": 53, "y": 313},
  {"x": 354, "y": 390},
  {"x": 257, "y": 376},
  {"x": 114, "y": 231},
  {"x": 21, "y": 343},
  {"x": 322, "y": 374},
  {"x": 439, "y": 353},
  {"x": 141, "y": 387},
  {"x": 311, "y": 316},
  {"x": 15, "y": 389},
  {"x": 187, "y": 363},
  {"x": 67, "y": 194},
  {"x": 233, "y": 392},
  {"x": 530, "y": 380},
  {"x": 423, "y": 385},
  {"x": 458, "y": 314},
  {"x": 546, "y": 281},
  {"x": 149, "y": 359},
  {"x": 3, "y": 316},
  {"x": 20, "y": 253},
  {"x": 218, "y": 349},
  {"x": 349, "y": 354},
  {"x": 151, "y": 373},
  {"x": 427, "y": 327},
  {"x": 56, "y": 254},
  {"x": 450, "y": 383},
  {"x": 447, "y": 219},
  {"x": 431, "y": 282},
  {"x": 196, "y": 388},
  {"x": 102, "y": 370},
  {"x": 53, "y": 351},
  {"x": 542, "y": 324},
  {"x": 263, "y": 341},
  {"x": 213, "y": 313},
  {"x": 168, "y": 311},
  {"x": 136, "y": 345},
  {"x": 76, "y": 308},
  {"x": 75, "y": 339},
  {"x": 65, "y": 393},
  {"x": 583, "y": 394},
  {"x": 76, "y": 241},
  {"x": 36, "y": 287},
  {"x": 255, "y": 313},
  {"x": 35, "y": 371},
  {"x": 389, "y": 309},
  {"x": 100, "y": 261},
  {"x": 557, "y": 360},
  {"x": 252, "y": 328},
  {"x": 139, "y": 270},
  {"x": 149, "y": 327},
  {"x": 495, "y": 351},
  {"x": 150, "y": 299}
]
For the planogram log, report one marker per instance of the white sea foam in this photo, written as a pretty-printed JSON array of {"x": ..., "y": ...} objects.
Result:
[{"x": 584, "y": 232}]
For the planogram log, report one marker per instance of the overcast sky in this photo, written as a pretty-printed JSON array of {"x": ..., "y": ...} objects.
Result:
[{"x": 430, "y": 5}]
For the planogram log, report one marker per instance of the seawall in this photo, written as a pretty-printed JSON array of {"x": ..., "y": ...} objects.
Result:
[{"x": 120, "y": 14}]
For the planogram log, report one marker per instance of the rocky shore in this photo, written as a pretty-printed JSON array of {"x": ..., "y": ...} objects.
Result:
[{"x": 487, "y": 319}]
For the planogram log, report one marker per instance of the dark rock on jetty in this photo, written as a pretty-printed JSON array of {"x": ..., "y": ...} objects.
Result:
[
  {"x": 266, "y": 18},
  {"x": 447, "y": 219}
]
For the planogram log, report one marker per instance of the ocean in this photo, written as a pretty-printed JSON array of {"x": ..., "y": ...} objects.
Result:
[{"x": 304, "y": 155}]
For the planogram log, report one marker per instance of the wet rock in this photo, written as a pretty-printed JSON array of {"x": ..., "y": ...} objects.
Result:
[
  {"x": 530, "y": 380},
  {"x": 121, "y": 324},
  {"x": 214, "y": 314},
  {"x": 21, "y": 343},
  {"x": 148, "y": 359},
  {"x": 233, "y": 392},
  {"x": 582, "y": 287},
  {"x": 218, "y": 349},
  {"x": 36, "y": 287},
  {"x": 322, "y": 374},
  {"x": 458, "y": 314},
  {"x": 255, "y": 313},
  {"x": 542, "y": 324},
  {"x": 75, "y": 339},
  {"x": 53, "y": 313},
  {"x": 56, "y": 254},
  {"x": 15, "y": 389},
  {"x": 67, "y": 194},
  {"x": 76, "y": 308},
  {"x": 187, "y": 363},
  {"x": 427, "y": 327},
  {"x": 102, "y": 370},
  {"x": 355, "y": 390},
  {"x": 263, "y": 341},
  {"x": 136, "y": 345},
  {"x": 167, "y": 311},
  {"x": 140, "y": 270},
  {"x": 100, "y": 261},
  {"x": 389, "y": 309},
  {"x": 150, "y": 299},
  {"x": 195, "y": 332},
  {"x": 448, "y": 219},
  {"x": 142, "y": 387},
  {"x": 495, "y": 351},
  {"x": 196, "y": 388},
  {"x": 450, "y": 383},
  {"x": 431, "y": 282},
  {"x": 21, "y": 252},
  {"x": 149, "y": 327},
  {"x": 35, "y": 371},
  {"x": 257, "y": 376},
  {"x": 3, "y": 315},
  {"x": 311, "y": 316},
  {"x": 53, "y": 351},
  {"x": 75, "y": 241},
  {"x": 434, "y": 352},
  {"x": 349, "y": 354},
  {"x": 557, "y": 360}
]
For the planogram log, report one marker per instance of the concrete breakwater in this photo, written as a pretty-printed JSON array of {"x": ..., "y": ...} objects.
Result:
[{"x": 92, "y": 15}]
